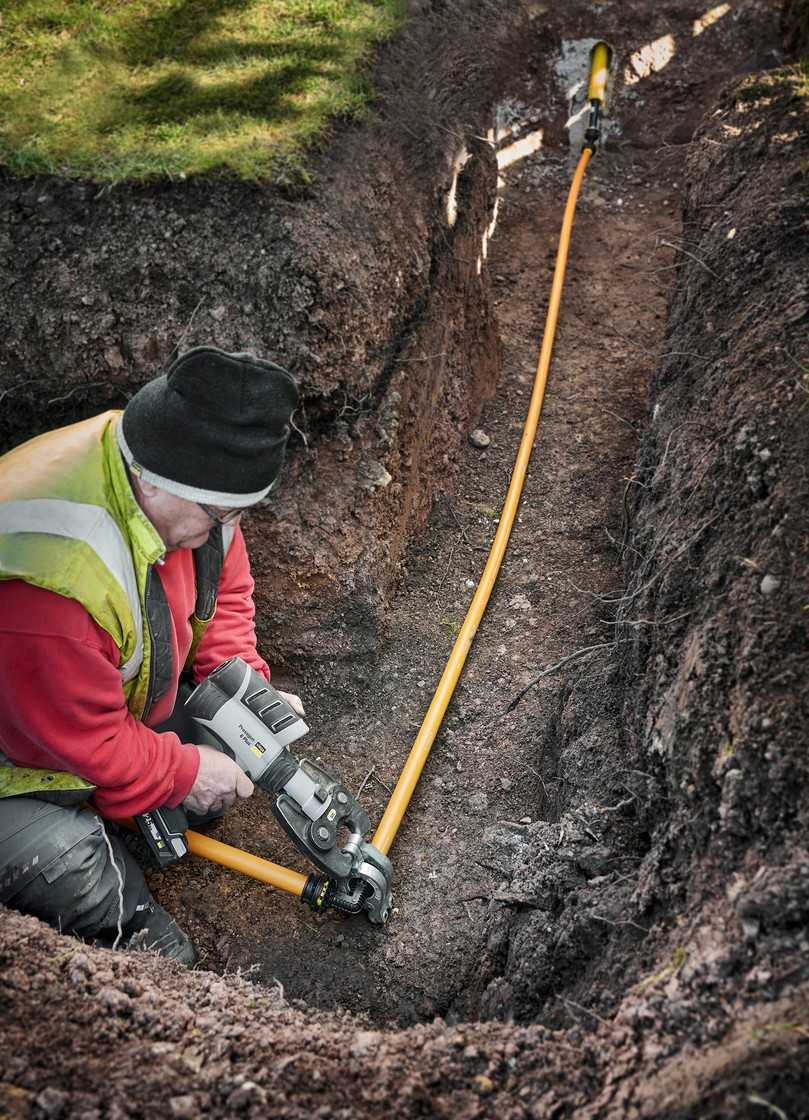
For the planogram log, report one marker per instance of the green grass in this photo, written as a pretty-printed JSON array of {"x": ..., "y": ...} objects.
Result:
[
  {"x": 793, "y": 77},
  {"x": 133, "y": 89},
  {"x": 801, "y": 78}
]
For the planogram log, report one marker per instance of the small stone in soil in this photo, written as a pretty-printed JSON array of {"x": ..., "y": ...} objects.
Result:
[
  {"x": 52, "y": 1102},
  {"x": 478, "y": 438},
  {"x": 184, "y": 1107},
  {"x": 769, "y": 585}
]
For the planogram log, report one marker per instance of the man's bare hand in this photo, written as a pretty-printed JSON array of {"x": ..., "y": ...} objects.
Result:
[
  {"x": 294, "y": 702},
  {"x": 219, "y": 782}
]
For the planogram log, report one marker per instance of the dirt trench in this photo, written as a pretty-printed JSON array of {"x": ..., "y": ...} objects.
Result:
[
  {"x": 498, "y": 778},
  {"x": 596, "y": 857}
]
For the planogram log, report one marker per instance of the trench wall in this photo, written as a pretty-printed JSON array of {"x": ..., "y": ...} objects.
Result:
[
  {"x": 669, "y": 892},
  {"x": 795, "y": 27}
]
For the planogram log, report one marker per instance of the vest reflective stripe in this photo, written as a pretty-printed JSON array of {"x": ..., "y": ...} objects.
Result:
[
  {"x": 98, "y": 530},
  {"x": 228, "y": 533}
]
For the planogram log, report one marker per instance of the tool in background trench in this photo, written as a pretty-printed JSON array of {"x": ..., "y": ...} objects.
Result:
[
  {"x": 365, "y": 885},
  {"x": 600, "y": 59}
]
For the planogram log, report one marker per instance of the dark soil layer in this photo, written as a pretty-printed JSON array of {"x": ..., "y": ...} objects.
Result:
[
  {"x": 795, "y": 27},
  {"x": 610, "y": 857}
]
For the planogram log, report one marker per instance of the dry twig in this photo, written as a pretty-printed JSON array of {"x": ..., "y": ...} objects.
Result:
[
  {"x": 622, "y": 922},
  {"x": 577, "y": 655},
  {"x": 19, "y": 385},
  {"x": 384, "y": 785},
  {"x": 572, "y": 1003},
  {"x": 364, "y": 782},
  {"x": 183, "y": 336},
  {"x": 75, "y": 389},
  {"x": 300, "y": 432},
  {"x": 449, "y": 561},
  {"x": 680, "y": 249}
]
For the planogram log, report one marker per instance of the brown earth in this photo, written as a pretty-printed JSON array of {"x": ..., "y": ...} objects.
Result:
[
  {"x": 795, "y": 27},
  {"x": 612, "y": 862}
]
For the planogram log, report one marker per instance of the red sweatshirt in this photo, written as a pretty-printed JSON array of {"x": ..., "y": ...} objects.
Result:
[{"x": 62, "y": 704}]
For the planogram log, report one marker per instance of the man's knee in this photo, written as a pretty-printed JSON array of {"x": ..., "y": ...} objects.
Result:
[{"x": 59, "y": 865}]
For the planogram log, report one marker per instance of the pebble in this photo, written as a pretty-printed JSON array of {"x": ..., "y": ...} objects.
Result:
[
  {"x": 769, "y": 584},
  {"x": 506, "y": 784},
  {"x": 525, "y": 820},
  {"x": 246, "y": 1096},
  {"x": 478, "y": 438},
  {"x": 184, "y": 1108},
  {"x": 372, "y": 475},
  {"x": 364, "y": 1043},
  {"x": 52, "y": 1102}
]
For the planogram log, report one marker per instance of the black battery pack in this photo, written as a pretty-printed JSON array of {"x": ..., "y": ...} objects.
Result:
[{"x": 164, "y": 832}]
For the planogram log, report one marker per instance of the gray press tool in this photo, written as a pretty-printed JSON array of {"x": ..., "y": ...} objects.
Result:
[{"x": 255, "y": 726}]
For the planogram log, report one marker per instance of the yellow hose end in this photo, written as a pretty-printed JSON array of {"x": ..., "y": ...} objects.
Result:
[{"x": 600, "y": 57}]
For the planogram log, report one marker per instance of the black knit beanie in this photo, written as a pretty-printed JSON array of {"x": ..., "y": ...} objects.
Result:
[{"x": 213, "y": 429}]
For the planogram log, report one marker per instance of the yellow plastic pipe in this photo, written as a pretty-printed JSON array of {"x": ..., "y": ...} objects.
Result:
[
  {"x": 599, "y": 71},
  {"x": 283, "y": 878},
  {"x": 392, "y": 818}
]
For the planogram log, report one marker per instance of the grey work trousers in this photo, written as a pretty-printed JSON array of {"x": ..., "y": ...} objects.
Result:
[
  {"x": 55, "y": 859},
  {"x": 55, "y": 863}
]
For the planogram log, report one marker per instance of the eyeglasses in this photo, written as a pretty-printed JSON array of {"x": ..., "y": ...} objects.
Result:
[
  {"x": 223, "y": 518},
  {"x": 231, "y": 515}
]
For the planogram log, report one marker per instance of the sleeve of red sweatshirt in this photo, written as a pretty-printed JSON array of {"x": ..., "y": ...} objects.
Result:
[
  {"x": 63, "y": 706},
  {"x": 231, "y": 632}
]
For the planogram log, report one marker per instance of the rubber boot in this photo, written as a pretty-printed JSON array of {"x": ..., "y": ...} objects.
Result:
[{"x": 152, "y": 929}]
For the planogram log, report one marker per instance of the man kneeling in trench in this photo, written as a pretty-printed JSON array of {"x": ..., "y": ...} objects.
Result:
[{"x": 124, "y": 581}]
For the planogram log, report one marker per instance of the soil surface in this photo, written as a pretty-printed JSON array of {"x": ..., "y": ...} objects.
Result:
[{"x": 607, "y": 851}]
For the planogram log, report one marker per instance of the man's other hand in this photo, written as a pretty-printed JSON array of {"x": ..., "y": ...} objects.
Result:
[
  {"x": 294, "y": 702},
  {"x": 219, "y": 782}
]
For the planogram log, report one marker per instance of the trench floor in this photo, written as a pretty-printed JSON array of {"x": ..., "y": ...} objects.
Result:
[{"x": 564, "y": 553}]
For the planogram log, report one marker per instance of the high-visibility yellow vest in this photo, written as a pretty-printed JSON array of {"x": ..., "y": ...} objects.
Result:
[{"x": 70, "y": 523}]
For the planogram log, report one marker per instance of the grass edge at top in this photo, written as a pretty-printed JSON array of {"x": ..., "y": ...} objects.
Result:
[{"x": 254, "y": 108}]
